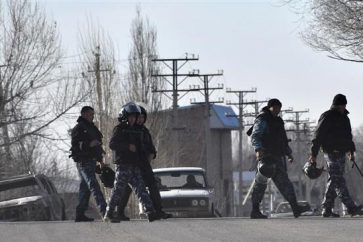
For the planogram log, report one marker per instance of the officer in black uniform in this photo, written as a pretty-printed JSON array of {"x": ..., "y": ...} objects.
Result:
[
  {"x": 271, "y": 145},
  {"x": 87, "y": 151},
  {"x": 334, "y": 135},
  {"x": 147, "y": 172},
  {"x": 128, "y": 149}
]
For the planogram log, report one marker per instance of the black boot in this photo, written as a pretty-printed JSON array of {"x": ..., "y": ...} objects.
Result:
[
  {"x": 83, "y": 218},
  {"x": 256, "y": 213},
  {"x": 357, "y": 210},
  {"x": 298, "y": 209},
  {"x": 109, "y": 217},
  {"x": 328, "y": 213},
  {"x": 121, "y": 215},
  {"x": 152, "y": 216},
  {"x": 163, "y": 215}
]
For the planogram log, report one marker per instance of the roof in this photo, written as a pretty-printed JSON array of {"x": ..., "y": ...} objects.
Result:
[
  {"x": 221, "y": 117},
  {"x": 168, "y": 169},
  {"x": 224, "y": 118},
  {"x": 20, "y": 178}
]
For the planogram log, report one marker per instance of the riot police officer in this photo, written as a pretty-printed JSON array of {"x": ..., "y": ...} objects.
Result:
[
  {"x": 87, "y": 151},
  {"x": 128, "y": 149},
  {"x": 334, "y": 135},
  {"x": 147, "y": 172},
  {"x": 271, "y": 145}
]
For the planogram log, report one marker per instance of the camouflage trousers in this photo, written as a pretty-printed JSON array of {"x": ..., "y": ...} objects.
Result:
[
  {"x": 150, "y": 182},
  {"x": 281, "y": 181},
  {"x": 89, "y": 185},
  {"x": 336, "y": 183},
  {"x": 129, "y": 175}
]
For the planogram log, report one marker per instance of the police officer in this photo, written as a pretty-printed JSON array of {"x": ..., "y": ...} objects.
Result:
[
  {"x": 271, "y": 145},
  {"x": 334, "y": 135},
  {"x": 87, "y": 151},
  {"x": 127, "y": 145},
  {"x": 147, "y": 172}
]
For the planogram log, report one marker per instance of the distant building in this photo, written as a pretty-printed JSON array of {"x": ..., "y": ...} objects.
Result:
[{"x": 200, "y": 141}]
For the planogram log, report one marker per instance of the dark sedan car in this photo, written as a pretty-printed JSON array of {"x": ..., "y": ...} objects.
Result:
[{"x": 30, "y": 198}]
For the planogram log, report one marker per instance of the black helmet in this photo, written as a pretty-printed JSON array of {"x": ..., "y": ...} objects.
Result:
[
  {"x": 143, "y": 111},
  {"x": 127, "y": 109},
  {"x": 311, "y": 171},
  {"x": 107, "y": 176},
  {"x": 267, "y": 169}
]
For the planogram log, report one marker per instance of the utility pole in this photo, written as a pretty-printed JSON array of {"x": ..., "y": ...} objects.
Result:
[
  {"x": 257, "y": 106},
  {"x": 297, "y": 122},
  {"x": 97, "y": 70},
  {"x": 241, "y": 105},
  {"x": 207, "y": 91},
  {"x": 174, "y": 67}
]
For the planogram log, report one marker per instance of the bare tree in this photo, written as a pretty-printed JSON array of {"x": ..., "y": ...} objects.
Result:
[
  {"x": 354, "y": 180},
  {"x": 29, "y": 104},
  {"x": 99, "y": 71},
  {"x": 333, "y": 26},
  {"x": 140, "y": 83}
]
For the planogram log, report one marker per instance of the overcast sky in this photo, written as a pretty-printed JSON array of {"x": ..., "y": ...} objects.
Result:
[{"x": 256, "y": 43}]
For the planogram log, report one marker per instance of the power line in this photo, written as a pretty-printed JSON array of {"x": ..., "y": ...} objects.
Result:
[
  {"x": 173, "y": 65},
  {"x": 206, "y": 78},
  {"x": 97, "y": 70},
  {"x": 297, "y": 121},
  {"x": 241, "y": 104}
]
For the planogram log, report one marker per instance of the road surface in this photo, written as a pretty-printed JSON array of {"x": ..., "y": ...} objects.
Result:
[{"x": 215, "y": 229}]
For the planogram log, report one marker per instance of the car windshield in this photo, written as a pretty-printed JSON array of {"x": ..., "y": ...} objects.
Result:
[
  {"x": 18, "y": 189},
  {"x": 180, "y": 180}
]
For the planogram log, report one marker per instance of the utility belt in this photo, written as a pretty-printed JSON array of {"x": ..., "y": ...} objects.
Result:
[
  {"x": 83, "y": 158},
  {"x": 336, "y": 154}
]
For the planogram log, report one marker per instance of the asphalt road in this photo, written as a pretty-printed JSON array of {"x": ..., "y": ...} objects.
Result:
[{"x": 219, "y": 229}]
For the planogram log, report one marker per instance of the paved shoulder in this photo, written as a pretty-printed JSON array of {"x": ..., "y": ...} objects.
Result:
[{"x": 222, "y": 229}]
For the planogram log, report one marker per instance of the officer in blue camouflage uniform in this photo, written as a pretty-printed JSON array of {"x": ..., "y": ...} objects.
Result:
[
  {"x": 146, "y": 171},
  {"x": 127, "y": 146},
  {"x": 271, "y": 146},
  {"x": 334, "y": 135},
  {"x": 87, "y": 151}
]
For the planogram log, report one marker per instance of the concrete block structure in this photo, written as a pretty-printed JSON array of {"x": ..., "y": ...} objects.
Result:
[{"x": 199, "y": 138}]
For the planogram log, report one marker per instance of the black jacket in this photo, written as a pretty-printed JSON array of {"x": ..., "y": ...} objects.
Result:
[
  {"x": 333, "y": 133},
  {"x": 269, "y": 134},
  {"x": 124, "y": 135},
  {"x": 82, "y": 135},
  {"x": 148, "y": 142}
]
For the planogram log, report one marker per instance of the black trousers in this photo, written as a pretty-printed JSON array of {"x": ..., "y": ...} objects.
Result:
[
  {"x": 150, "y": 182},
  {"x": 281, "y": 181}
]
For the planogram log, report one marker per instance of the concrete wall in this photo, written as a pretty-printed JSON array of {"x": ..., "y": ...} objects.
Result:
[{"x": 219, "y": 169}]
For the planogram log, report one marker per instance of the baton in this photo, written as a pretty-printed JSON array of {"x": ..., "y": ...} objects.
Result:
[{"x": 248, "y": 193}]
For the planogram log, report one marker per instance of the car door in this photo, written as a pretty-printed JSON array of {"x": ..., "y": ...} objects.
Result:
[{"x": 53, "y": 200}]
